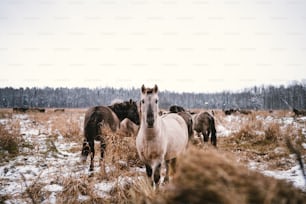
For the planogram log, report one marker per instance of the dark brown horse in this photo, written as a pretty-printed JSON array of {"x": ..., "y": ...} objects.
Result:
[
  {"x": 299, "y": 112},
  {"x": 204, "y": 123},
  {"x": 176, "y": 109},
  {"x": 101, "y": 116},
  {"x": 186, "y": 116}
]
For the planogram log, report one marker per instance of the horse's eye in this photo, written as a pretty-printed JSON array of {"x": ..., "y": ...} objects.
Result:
[
  {"x": 156, "y": 101},
  {"x": 142, "y": 101}
]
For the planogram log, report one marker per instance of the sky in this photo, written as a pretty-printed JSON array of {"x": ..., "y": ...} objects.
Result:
[{"x": 180, "y": 45}]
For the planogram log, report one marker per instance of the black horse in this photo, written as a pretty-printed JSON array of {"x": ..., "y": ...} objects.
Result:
[
  {"x": 99, "y": 116},
  {"x": 299, "y": 112}
]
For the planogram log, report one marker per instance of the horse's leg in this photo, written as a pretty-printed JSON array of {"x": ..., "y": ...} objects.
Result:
[
  {"x": 213, "y": 137},
  {"x": 205, "y": 136},
  {"x": 102, "y": 146},
  {"x": 170, "y": 165},
  {"x": 199, "y": 135},
  {"x": 101, "y": 139},
  {"x": 173, "y": 165},
  {"x": 92, "y": 149},
  {"x": 149, "y": 173},
  {"x": 166, "y": 179},
  {"x": 85, "y": 150},
  {"x": 213, "y": 133},
  {"x": 157, "y": 174}
]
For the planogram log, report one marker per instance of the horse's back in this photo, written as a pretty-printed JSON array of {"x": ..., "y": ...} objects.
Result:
[
  {"x": 201, "y": 121},
  {"x": 101, "y": 114},
  {"x": 176, "y": 132},
  {"x": 128, "y": 128}
]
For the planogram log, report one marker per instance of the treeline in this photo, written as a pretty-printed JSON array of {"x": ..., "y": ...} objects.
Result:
[{"x": 270, "y": 97}]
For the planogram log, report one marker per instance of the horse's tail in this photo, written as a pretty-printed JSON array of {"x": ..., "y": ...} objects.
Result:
[
  {"x": 190, "y": 128},
  {"x": 92, "y": 126},
  {"x": 91, "y": 131},
  {"x": 213, "y": 131}
]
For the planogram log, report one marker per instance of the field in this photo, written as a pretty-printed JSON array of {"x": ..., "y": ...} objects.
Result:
[{"x": 40, "y": 156}]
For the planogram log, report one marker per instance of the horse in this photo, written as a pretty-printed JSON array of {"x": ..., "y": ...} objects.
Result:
[
  {"x": 128, "y": 128},
  {"x": 100, "y": 116},
  {"x": 229, "y": 111},
  {"x": 160, "y": 138},
  {"x": 176, "y": 109},
  {"x": 299, "y": 112},
  {"x": 204, "y": 123},
  {"x": 186, "y": 116}
]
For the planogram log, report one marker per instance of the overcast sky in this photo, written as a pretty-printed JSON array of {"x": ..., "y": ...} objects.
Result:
[{"x": 180, "y": 45}]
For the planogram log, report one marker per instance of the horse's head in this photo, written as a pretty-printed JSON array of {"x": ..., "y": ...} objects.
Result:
[
  {"x": 149, "y": 105},
  {"x": 127, "y": 109},
  {"x": 132, "y": 112}
]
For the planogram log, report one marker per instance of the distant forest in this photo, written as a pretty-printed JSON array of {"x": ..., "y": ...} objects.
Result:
[{"x": 267, "y": 98}]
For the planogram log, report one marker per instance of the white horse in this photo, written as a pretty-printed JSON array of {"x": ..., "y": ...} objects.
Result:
[{"x": 160, "y": 138}]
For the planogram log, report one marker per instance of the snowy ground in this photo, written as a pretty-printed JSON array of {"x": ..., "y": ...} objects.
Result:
[
  {"x": 294, "y": 173},
  {"x": 46, "y": 161},
  {"x": 52, "y": 161}
]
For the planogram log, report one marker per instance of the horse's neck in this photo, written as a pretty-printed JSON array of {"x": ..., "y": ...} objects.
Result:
[{"x": 119, "y": 116}]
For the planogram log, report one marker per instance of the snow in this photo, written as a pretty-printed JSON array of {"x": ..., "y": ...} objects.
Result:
[
  {"x": 53, "y": 188},
  {"x": 38, "y": 163},
  {"x": 51, "y": 166},
  {"x": 223, "y": 131},
  {"x": 293, "y": 175},
  {"x": 102, "y": 189}
]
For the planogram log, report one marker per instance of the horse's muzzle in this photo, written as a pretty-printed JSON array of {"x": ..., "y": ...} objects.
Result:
[
  {"x": 150, "y": 117},
  {"x": 150, "y": 122}
]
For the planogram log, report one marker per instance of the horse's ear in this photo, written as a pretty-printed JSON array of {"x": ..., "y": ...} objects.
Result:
[
  {"x": 143, "y": 89},
  {"x": 155, "y": 90}
]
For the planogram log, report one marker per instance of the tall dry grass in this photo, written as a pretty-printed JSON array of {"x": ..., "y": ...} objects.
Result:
[
  {"x": 212, "y": 176},
  {"x": 10, "y": 140}
]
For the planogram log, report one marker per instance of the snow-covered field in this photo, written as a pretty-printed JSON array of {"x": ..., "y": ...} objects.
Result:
[
  {"x": 291, "y": 171},
  {"x": 48, "y": 163}
]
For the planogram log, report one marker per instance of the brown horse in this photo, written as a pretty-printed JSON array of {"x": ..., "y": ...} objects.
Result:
[
  {"x": 99, "y": 116},
  {"x": 204, "y": 123}
]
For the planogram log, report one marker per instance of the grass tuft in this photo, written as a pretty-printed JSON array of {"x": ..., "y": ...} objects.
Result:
[{"x": 10, "y": 141}]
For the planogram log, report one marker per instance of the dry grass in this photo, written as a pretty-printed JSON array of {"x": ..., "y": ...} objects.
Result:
[
  {"x": 213, "y": 177},
  {"x": 10, "y": 140},
  {"x": 203, "y": 174},
  {"x": 6, "y": 113},
  {"x": 262, "y": 140},
  {"x": 122, "y": 149},
  {"x": 69, "y": 125},
  {"x": 73, "y": 188},
  {"x": 34, "y": 191}
]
